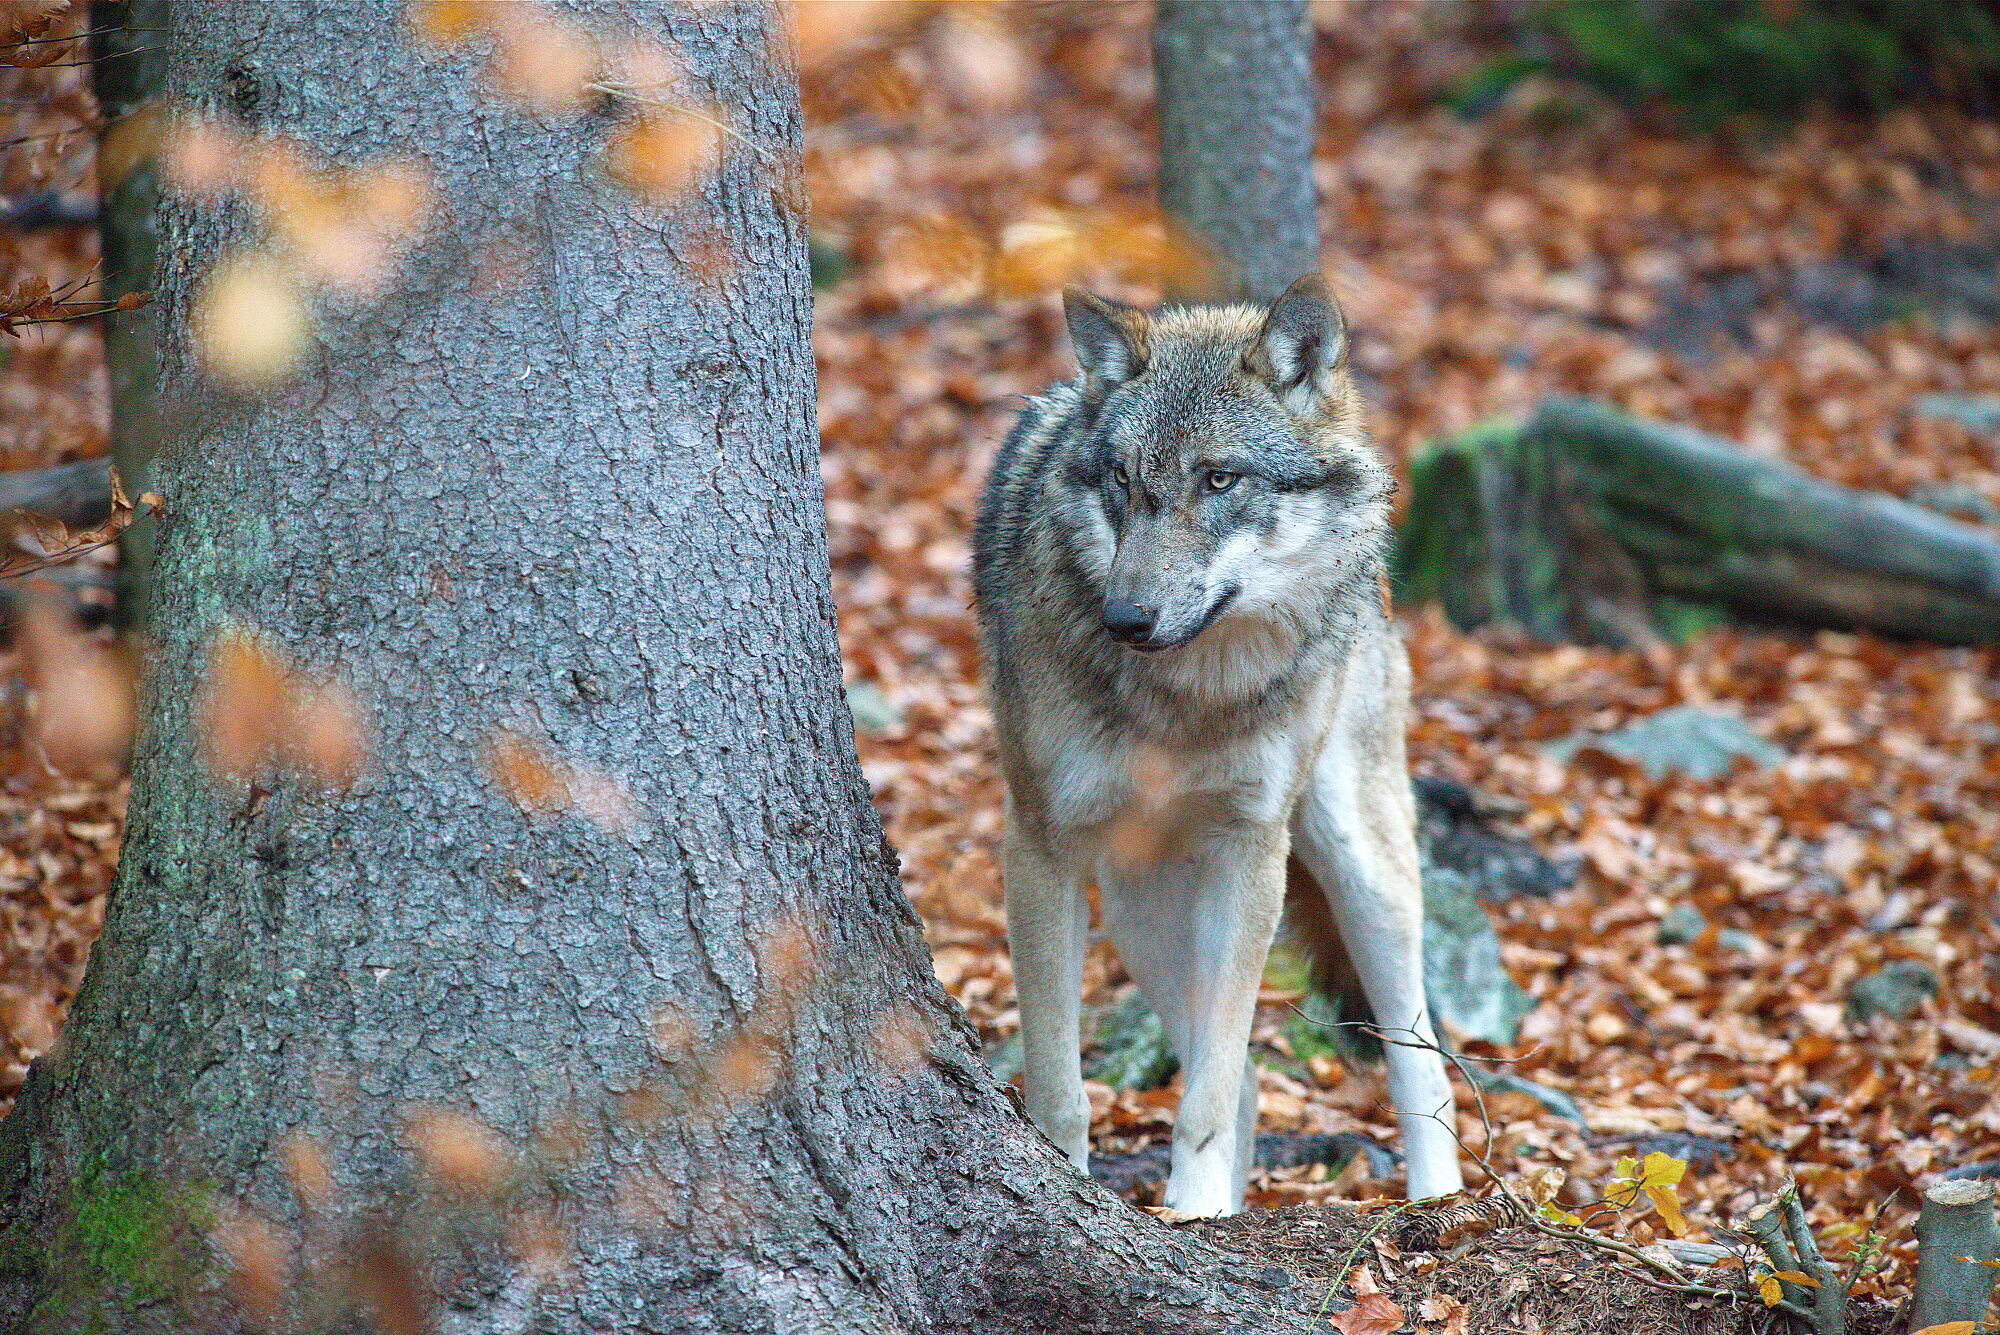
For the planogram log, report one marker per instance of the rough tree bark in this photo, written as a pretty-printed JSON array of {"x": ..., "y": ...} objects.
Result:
[
  {"x": 1236, "y": 138},
  {"x": 579, "y": 500}
]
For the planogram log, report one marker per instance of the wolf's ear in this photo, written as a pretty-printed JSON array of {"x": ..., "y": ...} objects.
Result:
[
  {"x": 1304, "y": 335},
  {"x": 1112, "y": 340}
]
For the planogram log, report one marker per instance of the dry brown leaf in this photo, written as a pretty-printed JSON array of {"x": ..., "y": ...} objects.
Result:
[
  {"x": 539, "y": 781},
  {"x": 826, "y": 30},
  {"x": 262, "y": 712},
  {"x": 26, "y": 20},
  {"x": 1447, "y": 1313},
  {"x": 1372, "y": 1314},
  {"x": 85, "y": 703},
  {"x": 542, "y": 60},
  {"x": 444, "y": 22},
  {"x": 745, "y": 1070}
]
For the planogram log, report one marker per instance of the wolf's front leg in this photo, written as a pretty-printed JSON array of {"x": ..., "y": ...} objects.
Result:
[
  {"x": 1355, "y": 830},
  {"x": 1047, "y": 918},
  {"x": 1194, "y": 931}
]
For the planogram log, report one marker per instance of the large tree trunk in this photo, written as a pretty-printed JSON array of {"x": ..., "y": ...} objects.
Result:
[
  {"x": 1236, "y": 139},
  {"x": 577, "y": 500}
]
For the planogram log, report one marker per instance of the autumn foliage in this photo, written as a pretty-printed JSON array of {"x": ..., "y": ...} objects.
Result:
[{"x": 961, "y": 164}]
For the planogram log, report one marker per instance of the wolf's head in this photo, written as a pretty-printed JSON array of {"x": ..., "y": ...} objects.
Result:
[{"x": 1223, "y": 473}]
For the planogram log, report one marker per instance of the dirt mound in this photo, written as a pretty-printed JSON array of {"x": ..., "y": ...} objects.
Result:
[{"x": 1457, "y": 1269}]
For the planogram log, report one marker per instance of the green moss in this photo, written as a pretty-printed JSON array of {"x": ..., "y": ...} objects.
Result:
[
  {"x": 134, "y": 1232},
  {"x": 21, "y": 1254},
  {"x": 1440, "y": 550},
  {"x": 1285, "y": 970},
  {"x": 1683, "y": 621},
  {"x": 128, "y": 1241}
]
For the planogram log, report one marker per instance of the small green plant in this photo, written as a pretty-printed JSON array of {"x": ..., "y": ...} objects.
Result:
[{"x": 1715, "y": 60}]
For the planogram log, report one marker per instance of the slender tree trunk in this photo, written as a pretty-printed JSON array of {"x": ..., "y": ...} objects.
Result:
[
  {"x": 1236, "y": 138},
  {"x": 576, "y": 498},
  {"x": 129, "y": 70}
]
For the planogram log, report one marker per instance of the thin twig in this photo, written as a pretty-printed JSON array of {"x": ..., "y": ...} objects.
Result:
[
  {"x": 625, "y": 92},
  {"x": 78, "y": 64},
  {"x": 1347, "y": 1262},
  {"x": 46, "y": 134},
  {"x": 14, "y": 321},
  {"x": 73, "y": 37},
  {"x": 1679, "y": 1280}
]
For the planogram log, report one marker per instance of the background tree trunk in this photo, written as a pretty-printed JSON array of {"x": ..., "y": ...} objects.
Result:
[
  {"x": 128, "y": 51},
  {"x": 1236, "y": 139},
  {"x": 578, "y": 500}
]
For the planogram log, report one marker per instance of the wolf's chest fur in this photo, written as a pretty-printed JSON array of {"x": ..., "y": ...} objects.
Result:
[{"x": 1130, "y": 794}]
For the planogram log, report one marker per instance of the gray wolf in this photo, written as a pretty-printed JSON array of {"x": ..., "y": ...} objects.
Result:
[{"x": 1199, "y": 695}]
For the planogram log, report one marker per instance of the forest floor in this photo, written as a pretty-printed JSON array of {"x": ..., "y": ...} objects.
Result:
[{"x": 961, "y": 167}]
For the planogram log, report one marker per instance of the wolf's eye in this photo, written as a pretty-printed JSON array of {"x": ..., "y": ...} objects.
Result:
[
  {"x": 1119, "y": 475},
  {"x": 1217, "y": 480}
]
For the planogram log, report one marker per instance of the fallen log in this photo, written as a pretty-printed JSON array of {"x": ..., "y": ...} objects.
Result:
[
  {"x": 1585, "y": 523},
  {"x": 79, "y": 494}
]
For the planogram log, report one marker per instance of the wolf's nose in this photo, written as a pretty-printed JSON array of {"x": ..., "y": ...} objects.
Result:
[{"x": 1130, "y": 622}]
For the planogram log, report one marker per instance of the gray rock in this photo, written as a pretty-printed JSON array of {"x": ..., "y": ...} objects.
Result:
[
  {"x": 1895, "y": 990},
  {"x": 1958, "y": 501},
  {"x": 1698, "y": 742},
  {"x": 1130, "y": 1048},
  {"x": 1680, "y": 925},
  {"x": 1465, "y": 981},
  {"x": 1975, "y": 412},
  {"x": 1453, "y": 830},
  {"x": 873, "y": 711},
  {"x": 1506, "y": 1082},
  {"x": 1005, "y": 1056},
  {"x": 1733, "y": 938},
  {"x": 1469, "y": 988}
]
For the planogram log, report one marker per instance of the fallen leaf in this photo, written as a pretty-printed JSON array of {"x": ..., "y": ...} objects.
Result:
[{"x": 1372, "y": 1314}]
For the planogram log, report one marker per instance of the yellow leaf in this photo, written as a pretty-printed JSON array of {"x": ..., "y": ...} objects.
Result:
[
  {"x": 1663, "y": 1170},
  {"x": 1624, "y": 1189},
  {"x": 1555, "y": 1214},
  {"x": 1661, "y": 1175},
  {"x": 1948, "y": 1328},
  {"x": 1770, "y": 1290},
  {"x": 251, "y": 322},
  {"x": 1796, "y": 1277}
]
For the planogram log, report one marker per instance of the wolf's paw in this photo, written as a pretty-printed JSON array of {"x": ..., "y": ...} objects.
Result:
[{"x": 1202, "y": 1195}]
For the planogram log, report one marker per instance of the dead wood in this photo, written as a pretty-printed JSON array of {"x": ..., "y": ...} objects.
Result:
[{"x": 1585, "y": 523}]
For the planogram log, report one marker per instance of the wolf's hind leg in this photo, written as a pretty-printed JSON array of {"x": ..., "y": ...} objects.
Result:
[
  {"x": 1355, "y": 831},
  {"x": 1194, "y": 933},
  {"x": 1047, "y": 920}
]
